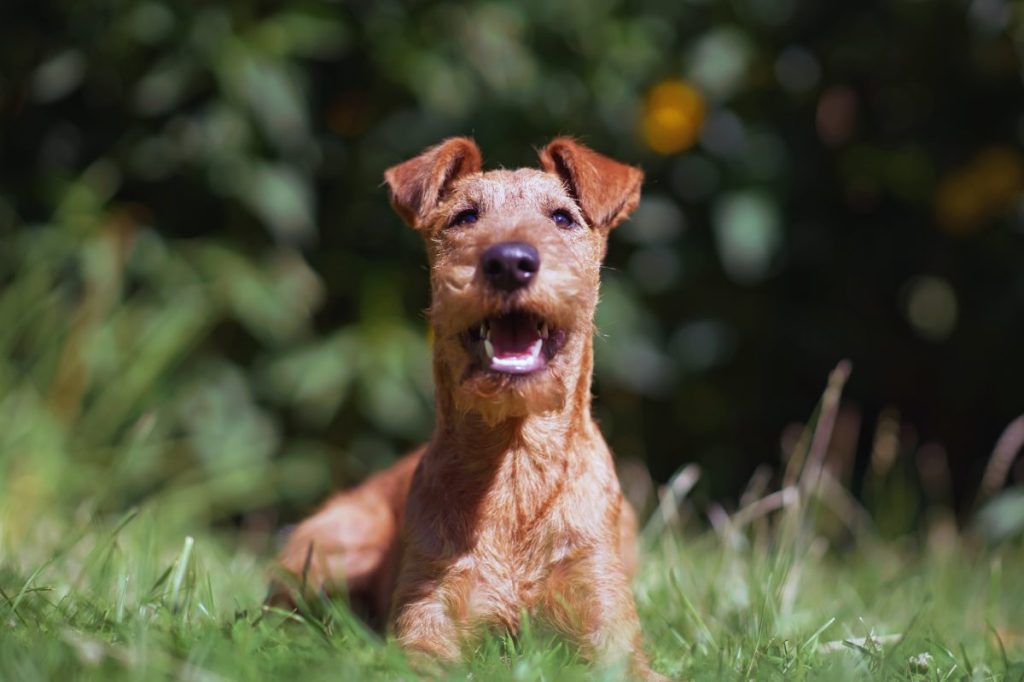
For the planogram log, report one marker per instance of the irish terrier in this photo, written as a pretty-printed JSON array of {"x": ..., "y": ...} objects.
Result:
[{"x": 514, "y": 505}]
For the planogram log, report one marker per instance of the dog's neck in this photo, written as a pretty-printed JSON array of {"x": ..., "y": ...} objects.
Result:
[{"x": 545, "y": 435}]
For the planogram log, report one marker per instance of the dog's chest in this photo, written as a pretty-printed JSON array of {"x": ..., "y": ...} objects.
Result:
[
  {"x": 512, "y": 572},
  {"x": 530, "y": 534},
  {"x": 540, "y": 514}
]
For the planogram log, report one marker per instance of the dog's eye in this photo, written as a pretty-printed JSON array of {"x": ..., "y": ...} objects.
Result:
[
  {"x": 562, "y": 218},
  {"x": 467, "y": 217}
]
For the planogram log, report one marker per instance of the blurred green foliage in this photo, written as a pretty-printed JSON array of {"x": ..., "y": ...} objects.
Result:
[{"x": 205, "y": 295}]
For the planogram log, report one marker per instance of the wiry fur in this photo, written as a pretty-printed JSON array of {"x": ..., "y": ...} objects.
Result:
[{"x": 514, "y": 504}]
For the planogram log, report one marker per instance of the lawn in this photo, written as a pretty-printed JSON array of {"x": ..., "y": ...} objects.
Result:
[{"x": 137, "y": 598}]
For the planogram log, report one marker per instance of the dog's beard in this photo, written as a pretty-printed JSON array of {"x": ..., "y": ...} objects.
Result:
[{"x": 498, "y": 396}]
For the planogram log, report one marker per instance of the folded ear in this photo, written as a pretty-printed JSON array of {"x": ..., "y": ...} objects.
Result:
[
  {"x": 419, "y": 184},
  {"x": 605, "y": 189}
]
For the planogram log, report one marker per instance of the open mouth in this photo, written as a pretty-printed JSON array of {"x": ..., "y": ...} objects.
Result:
[{"x": 514, "y": 343}]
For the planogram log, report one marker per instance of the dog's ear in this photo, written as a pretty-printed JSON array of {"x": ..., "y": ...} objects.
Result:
[
  {"x": 605, "y": 189},
  {"x": 419, "y": 184}
]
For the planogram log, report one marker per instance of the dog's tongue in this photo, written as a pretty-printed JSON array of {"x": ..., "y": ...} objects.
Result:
[
  {"x": 513, "y": 335},
  {"x": 516, "y": 344}
]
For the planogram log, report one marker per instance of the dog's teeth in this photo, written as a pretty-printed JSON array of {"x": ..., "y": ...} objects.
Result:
[
  {"x": 544, "y": 330},
  {"x": 489, "y": 349},
  {"x": 483, "y": 330}
]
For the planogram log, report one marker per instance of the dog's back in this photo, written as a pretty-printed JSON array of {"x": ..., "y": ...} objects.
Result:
[{"x": 351, "y": 545}]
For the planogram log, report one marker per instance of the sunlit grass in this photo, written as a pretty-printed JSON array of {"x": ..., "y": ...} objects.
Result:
[{"x": 134, "y": 598}]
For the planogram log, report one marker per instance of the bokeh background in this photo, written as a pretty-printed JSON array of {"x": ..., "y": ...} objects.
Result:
[{"x": 206, "y": 301}]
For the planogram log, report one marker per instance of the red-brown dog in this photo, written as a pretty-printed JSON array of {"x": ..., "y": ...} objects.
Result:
[{"x": 514, "y": 504}]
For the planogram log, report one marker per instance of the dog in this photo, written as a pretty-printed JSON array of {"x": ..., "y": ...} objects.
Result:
[{"x": 514, "y": 505}]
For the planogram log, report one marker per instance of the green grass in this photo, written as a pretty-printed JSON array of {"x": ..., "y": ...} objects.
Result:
[{"x": 137, "y": 599}]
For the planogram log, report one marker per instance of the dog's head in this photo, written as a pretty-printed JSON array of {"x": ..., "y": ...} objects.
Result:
[{"x": 515, "y": 261}]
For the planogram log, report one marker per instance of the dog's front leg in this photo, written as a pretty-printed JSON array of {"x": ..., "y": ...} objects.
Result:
[
  {"x": 590, "y": 600},
  {"x": 429, "y": 612}
]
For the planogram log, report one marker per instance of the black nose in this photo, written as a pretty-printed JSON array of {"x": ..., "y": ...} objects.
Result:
[{"x": 510, "y": 265}]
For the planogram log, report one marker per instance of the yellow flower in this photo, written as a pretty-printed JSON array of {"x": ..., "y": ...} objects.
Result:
[
  {"x": 672, "y": 117},
  {"x": 971, "y": 196}
]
